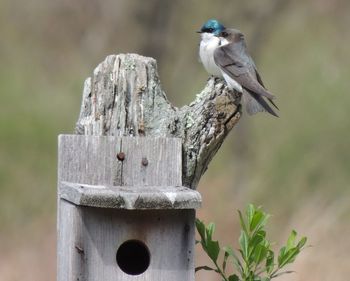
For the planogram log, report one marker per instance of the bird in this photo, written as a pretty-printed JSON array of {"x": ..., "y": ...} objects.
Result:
[{"x": 223, "y": 53}]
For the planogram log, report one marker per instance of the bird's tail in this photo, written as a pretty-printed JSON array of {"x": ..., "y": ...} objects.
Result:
[{"x": 255, "y": 103}]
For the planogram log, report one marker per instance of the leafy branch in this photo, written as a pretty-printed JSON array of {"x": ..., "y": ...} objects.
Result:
[{"x": 256, "y": 260}]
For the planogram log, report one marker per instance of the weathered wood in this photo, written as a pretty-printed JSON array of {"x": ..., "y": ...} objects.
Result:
[
  {"x": 168, "y": 234},
  {"x": 124, "y": 98},
  {"x": 70, "y": 241},
  {"x": 90, "y": 237},
  {"x": 94, "y": 160},
  {"x": 130, "y": 197},
  {"x": 89, "y": 159},
  {"x": 148, "y": 205},
  {"x": 151, "y": 161}
]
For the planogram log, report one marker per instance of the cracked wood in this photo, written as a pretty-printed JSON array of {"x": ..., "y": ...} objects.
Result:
[{"x": 124, "y": 98}]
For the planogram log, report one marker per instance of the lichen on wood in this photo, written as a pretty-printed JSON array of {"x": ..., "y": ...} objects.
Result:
[{"x": 124, "y": 98}]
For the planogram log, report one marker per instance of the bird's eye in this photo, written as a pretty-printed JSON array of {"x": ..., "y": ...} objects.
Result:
[{"x": 210, "y": 30}]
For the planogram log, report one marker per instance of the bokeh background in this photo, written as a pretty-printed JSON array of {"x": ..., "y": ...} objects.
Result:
[{"x": 297, "y": 166}]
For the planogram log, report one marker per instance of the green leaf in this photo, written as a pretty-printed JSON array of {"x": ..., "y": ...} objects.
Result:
[
  {"x": 250, "y": 213},
  {"x": 259, "y": 253},
  {"x": 281, "y": 254},
  {"x": 302, "y": 242},
  {"x": 242, "y": 222},
  {"x": 258, "y": 238},
  {"x": 213, "y": 250},
  {"x": 201, "y": 230},
  {"x": 235, "y": 259},
  {"x": 256, "y": 220},
  {"x": 270, "y": 261},
  {"x": 244, "y": 243},
  {"x": 289, "y": 252},
  {"x": 258, "y": 246},
  {"x": 260, "y": 222},
  {"x": 288, "y": 257},
  {"x": 291, "y": 240},
  {"x": 210, "y": 230},
  {"x": 205, "y": 268},
  {"x": 233, "y": 277}
]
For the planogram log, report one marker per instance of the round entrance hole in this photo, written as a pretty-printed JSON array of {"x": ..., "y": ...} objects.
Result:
[{"x": 133, "y": 257}]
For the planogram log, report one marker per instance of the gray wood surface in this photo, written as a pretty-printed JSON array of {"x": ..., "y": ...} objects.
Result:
[
  {"x": 93, "y": 160},
  {"x": 90, "y": 237},
  {"x": 88, "y": 240},
  {"x": 168, "y": 234},
  {"x": 89, "y": 159},
  {"x": 130, "y": 197},
  {"x": 124, "y": 98},
  {"x": 162, "y": 215},
  {"x": 163, "y": 159},
  {"x": 70, "y": 241}
]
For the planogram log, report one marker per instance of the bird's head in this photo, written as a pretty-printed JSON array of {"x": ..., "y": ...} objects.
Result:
[{"x": 212, "y": 26}]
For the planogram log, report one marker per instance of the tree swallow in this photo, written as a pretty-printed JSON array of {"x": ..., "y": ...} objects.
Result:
[{"x": 223, "y": 52}]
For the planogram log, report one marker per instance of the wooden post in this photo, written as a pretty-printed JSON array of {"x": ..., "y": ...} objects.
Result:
[{"x": 127, "y": 180}]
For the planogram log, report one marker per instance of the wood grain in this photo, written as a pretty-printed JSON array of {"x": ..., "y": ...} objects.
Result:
[
  {"x": 93, "y": 160},
  {"x": 70, "y": 233},
  {"x": 136, "y": 199},
  {"x": 124, "y": 98},
  {"x": 169, "y": 236},
  {"x": 89, "y": 159}
]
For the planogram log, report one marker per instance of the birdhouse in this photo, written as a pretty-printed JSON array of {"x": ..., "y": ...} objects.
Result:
[{"x": 123, "y": 213}]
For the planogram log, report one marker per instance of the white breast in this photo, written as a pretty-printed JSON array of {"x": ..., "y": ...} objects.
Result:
[
  {"x": 206, "y": 52},
  {"x": 207, "y": 47}
]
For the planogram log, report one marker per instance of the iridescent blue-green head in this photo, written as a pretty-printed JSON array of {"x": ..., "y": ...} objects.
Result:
[{"x": 212, "y": 26}]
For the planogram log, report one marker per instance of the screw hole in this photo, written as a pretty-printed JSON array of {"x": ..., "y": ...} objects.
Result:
[
  {"x": 144, "y": 161},
  {"x": 133, "y": 257}
]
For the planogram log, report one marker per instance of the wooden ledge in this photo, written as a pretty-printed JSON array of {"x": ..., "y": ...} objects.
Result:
[{"x": 130, "y": 197}]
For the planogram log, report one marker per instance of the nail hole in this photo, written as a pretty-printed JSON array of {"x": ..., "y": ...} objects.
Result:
[
  {"x": 144, "y": 161},
  {"x": 121, "y": 156}
]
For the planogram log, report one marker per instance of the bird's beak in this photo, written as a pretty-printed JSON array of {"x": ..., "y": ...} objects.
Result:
[{"x": 199, "y": 31}]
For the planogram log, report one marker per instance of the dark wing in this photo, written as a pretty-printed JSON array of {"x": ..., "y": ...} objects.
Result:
[
  {"x": 263, "y": 103},
  {"x": 233, "y": 64},
  {"x": 258, "y": 77}
]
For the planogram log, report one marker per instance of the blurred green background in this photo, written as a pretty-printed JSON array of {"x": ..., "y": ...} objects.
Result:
[{"x": 297, "y": 167}]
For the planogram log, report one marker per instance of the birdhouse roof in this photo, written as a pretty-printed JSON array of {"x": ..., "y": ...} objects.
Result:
[{"x": 131, "y": 198}]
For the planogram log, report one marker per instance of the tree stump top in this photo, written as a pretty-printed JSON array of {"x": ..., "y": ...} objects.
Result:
[{"x": 124, "y": 98}]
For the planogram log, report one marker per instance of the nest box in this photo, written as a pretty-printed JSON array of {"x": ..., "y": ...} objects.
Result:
[{"x": 123, "y": 213}]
